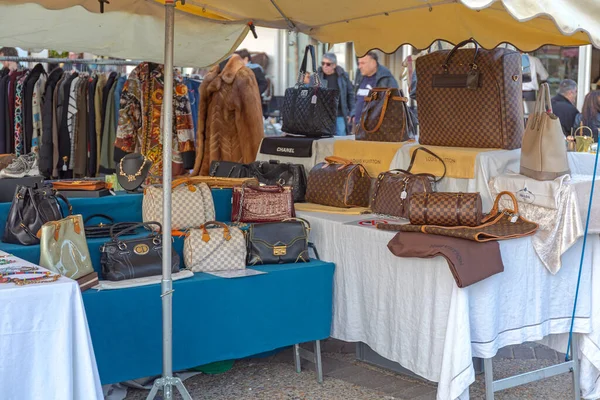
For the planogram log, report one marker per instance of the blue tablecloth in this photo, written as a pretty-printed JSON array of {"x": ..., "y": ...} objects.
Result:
[{"x": 214, "y": 319}]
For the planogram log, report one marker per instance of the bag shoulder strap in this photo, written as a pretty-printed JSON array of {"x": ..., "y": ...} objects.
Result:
[
  {"x": 363, "y": 117},
  {"x": 414, "y": 155}
]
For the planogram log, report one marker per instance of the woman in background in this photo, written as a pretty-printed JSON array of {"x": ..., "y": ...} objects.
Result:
[{"x": 590, "y": 114}]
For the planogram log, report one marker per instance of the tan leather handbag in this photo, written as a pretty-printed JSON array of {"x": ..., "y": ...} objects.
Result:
[
  {"x": 63, "y": 248},
  {"x": 544, "y": 150}
]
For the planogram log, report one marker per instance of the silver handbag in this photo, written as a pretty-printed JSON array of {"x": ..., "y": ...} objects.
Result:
[
  {"x": 219, "y": 248},
  {"x": 192, "y": 204}
]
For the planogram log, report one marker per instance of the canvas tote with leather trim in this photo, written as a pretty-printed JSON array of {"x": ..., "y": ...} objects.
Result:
[
  {"x": 385, "y": 117},
  {"x": 544, "y": 150}
]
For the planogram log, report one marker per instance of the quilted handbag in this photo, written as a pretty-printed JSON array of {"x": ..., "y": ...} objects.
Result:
[
  {"x": 497, "y": 225},
  {"x": 262, "y": 203},
  {"x": 228, "y": 169},
  {"x": 310, "y": 109},
  {"x": 544, "y": 151},
  {"x": 470, "y": 98},
  {"x": 192, "y": 204},
  {"x": 394, "y": 189},
  {"x": 278, "y": 242},
  {"x": 338, "y": 182},
  {"x": 284, "y": 174},
  {"x": 64, "y": 249},
  {"x": 214, "y": 247},
  {"x": 385, "y": 117},
  {"x": 445, "y": 209},
  {"x": 135, "y": 258}
]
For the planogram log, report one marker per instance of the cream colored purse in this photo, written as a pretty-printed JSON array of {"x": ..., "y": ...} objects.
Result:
[
  {"x": 192, "y": 204},
  {"x": 63, "y": 248},
  {"x": 544, "y": 150},
  {"x": 218, "y": 248}
]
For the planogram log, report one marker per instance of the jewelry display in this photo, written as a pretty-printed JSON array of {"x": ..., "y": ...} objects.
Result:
[
  {"x": 5, "y": 261},
  {"x": 131, "y": 178},
  {"x": 6, "y": 275}
]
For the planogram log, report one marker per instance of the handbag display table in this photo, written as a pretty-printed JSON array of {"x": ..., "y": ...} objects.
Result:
[
  {"x": 45, "y": 346},
  {"x": 377, "y": 293},
  {"x": 214, "y": 319}
]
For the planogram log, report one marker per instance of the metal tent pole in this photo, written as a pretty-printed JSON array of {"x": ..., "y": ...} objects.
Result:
[{"x": 167, "y": 381}]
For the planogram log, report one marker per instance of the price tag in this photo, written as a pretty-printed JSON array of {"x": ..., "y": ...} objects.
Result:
[
  {"x": 64, "y": 167},
  {"x": 314, "y": 99},
  {"x": 403, "y": 195}
]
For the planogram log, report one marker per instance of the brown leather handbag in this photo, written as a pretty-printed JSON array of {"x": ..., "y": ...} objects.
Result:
[
  {"x": 338, "y": 182},
  {"x": 385, "y": 117},
  {"x": 445, "y": 209},
  {"x": 262, "y": 203},
  {"x": 394, "y": 189},
  {"x": 497, "y": 225},
  {"x": 470, "y": 98}
]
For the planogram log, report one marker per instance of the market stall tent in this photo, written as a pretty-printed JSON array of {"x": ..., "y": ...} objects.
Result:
[{"x": 207, "y": 30}]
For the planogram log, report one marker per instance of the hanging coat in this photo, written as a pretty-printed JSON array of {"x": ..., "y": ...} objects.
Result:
[{"x": 230, "y": 121}]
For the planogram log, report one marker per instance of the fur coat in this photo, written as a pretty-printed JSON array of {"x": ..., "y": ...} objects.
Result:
[{"x": 230, "y": 121}]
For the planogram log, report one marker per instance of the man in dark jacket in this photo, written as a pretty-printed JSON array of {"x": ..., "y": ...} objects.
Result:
[
  {"x": 337, "y": 78},
  {"x": 563, "y": 105},
  {"x": 261, "y": 79},
  {"x": 371, "y": 75}
]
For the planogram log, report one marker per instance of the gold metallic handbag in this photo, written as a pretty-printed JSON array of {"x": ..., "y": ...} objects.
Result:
[
  {"x": 583, "y": 142},
  {"x": 63, "y": 248}
]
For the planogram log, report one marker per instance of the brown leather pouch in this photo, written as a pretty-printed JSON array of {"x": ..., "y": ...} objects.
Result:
[
  {"x": 445, "y": 209},
  {"x": 79, "y": 185}
]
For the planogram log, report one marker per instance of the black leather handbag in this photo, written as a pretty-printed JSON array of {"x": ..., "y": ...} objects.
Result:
[
  {"x": 310, "y": 109},
  {"x": 284, "y": 174},
  {"x": 102, "y": 230},
  {"x": 228, "y": 169},
  {"x": 278, "y": 242},
  {"x": 134, "y": 258},
  {"x": 31, "y": 208}
]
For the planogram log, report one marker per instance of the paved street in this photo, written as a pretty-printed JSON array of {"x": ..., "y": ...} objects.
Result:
[{"x": 274, "y": 377}]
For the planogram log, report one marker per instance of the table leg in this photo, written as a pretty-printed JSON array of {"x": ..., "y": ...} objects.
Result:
[
  {"x": 297, "y": 358},
  {"x": 576, "y": 366},
  {"x": 488, "y": 370},
  {"x": 318, "y": 363}
]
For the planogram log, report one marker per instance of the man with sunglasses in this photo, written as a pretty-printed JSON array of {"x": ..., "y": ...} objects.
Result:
[{"x": 337, "y": 78}]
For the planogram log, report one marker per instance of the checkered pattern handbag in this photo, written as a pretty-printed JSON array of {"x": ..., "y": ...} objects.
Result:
[
  {"x": 192, "y": 204},
  {"x": 214, "y": 247}
]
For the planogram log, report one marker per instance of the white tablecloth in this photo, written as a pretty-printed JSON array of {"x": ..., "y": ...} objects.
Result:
[
  {"x": 45, "y": 346},
  {"x": 410, "y": 310}
]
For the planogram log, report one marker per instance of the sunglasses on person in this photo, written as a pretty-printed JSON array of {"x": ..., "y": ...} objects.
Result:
[{"x": 326, "y": 64}]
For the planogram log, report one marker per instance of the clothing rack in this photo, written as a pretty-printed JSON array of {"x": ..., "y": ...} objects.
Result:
[{"x": 98, "y": 61}]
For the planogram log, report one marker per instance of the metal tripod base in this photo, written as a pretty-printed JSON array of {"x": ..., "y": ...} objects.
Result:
[
  {"x": 166, "y": 385},
  {"x": 571, "y": 366}
]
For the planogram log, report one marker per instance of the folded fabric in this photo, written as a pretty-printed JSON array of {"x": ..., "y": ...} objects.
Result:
[
  {"x": 460, "y": 161},
  {"x": 530, "y": 191},
  {"x": 331, "y": 210},
  {"x": 376, "y": 157},
  {"x": 469, "y": 261},
  {"x": 149, "y": 280}
]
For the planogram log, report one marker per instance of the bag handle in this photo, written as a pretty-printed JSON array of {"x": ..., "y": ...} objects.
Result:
[
  {"x": 305, "y": 222},
  {"x": 132, "y": 228},
  {"x": 461, "y": 44},
  {"x": 497, "y": 201},
  {"x": 414, "y": 155},
  {"x": 184, "y": 181},
  {"x": 106, "y": 217},
  {"x": 369, "y": 108},
  {"x": 302, "y": 73},
  {"x": 582, "y": 127},
  {"x": 206, "y": 235}
]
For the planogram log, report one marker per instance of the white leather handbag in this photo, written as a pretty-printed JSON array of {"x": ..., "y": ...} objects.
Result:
[
  {"x": 215, "y": 247},
  {"x": 544, "y": 148},
  {"x": 192, "y": 204}
]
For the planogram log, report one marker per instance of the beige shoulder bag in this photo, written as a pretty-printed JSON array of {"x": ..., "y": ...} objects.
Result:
[{"x": 544, "y": 150}]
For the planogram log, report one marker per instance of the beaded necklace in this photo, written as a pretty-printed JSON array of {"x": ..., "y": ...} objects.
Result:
[{"x": 46, "y": 276}]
